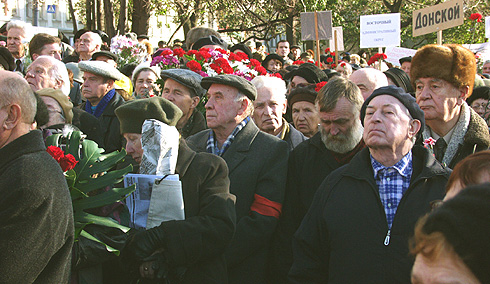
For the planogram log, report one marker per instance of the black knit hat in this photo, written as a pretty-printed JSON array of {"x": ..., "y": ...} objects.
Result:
[
  {"x": 479, "y": 93},
  {"x": 270, "y": 57},
  {"x": 405, "y": 98},
  {"x": 243, "y": 48},
  {"x": 104, "y": 53},
  {"x": 465, "y": 223},
  {"x": 209, "y": 40},
  {"x": 309, "y": 71},
  {"x": 400, "y": 78},
  {"x": 242, "y": 84},
  {"x": 306, "y": 94},
  {"x": 133, "y": 114}
]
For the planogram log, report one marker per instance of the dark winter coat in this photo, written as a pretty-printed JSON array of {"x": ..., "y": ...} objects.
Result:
[
  {"x": 258, "y": 163},
  {"x": 36, "y": 217},
  {"x": 309, "y": 164},
  {"x": 293, "y": 137},
  {"x": 344, "y": 237}
]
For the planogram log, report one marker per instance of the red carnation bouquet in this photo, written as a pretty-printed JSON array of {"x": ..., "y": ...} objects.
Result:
[
  {"x": 212, "y": 62},
  {"x": 67, "y": 162},
  {"x": 319, "y": 86},
  {"x": 376, "y": 57}
]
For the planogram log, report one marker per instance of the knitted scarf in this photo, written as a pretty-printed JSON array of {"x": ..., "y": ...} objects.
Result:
[{"x": 104, "y": 102}]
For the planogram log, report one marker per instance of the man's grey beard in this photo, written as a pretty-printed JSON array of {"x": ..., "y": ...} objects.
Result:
[{"x": 343, "y": 143}]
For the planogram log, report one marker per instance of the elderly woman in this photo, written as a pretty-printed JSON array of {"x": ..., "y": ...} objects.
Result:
[
  {"x": 273, "y": 63},
  {"x": 301, "y": 100},
  {"x": 144, "y": 81},
  {"x": 189, "y": 250},
  {"x": 451, "y": 243},
  {"x": 479, "y": 102}
]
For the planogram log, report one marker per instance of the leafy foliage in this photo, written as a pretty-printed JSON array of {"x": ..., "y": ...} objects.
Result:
[{"x": 88, "y": 180}]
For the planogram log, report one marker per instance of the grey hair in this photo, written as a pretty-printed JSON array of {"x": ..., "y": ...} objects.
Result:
[
  {"x": 16, "y": 90},
  {"x": 96, "y": 36},
  {"x": 277, "y": 84},
  {"x": 58, "y": 72},
  {"x": 339, "y": 87},
  {"x": 486, "y": 61},
  {"x": 239, "y": 97},
  {"x": 17, "y": 24}
]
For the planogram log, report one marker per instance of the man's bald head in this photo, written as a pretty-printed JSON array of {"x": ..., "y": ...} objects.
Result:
[{"x": 368, "y": 80}]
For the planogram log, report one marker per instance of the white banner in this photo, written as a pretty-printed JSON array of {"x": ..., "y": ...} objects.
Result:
[
  {"x": 380, "y": 30},
  {"x": 394, "y": 54}
]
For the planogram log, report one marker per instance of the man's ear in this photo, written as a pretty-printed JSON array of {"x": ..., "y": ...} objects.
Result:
[
  {"x": 464, "y": 93},
  {"x": 243, "y": 106},
  {"x": 195, "y": 101},
  {"x": 14, "y": 114},
  {"x": 415, "y": 126}
]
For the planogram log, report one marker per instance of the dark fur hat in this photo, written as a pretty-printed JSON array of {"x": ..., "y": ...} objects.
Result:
[{"x": 450, "y": 62}]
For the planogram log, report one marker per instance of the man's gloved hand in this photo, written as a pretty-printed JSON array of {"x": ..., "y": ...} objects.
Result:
[
  {"x": 159, "y": 265},
  {"x": 142, "y": 245}
]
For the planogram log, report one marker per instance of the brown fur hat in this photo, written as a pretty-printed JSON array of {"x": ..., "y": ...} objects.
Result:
[{"x": 450, "y": 62}]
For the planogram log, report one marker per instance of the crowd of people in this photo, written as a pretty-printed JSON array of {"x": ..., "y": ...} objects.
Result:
[{"x": 310, "y": 173}]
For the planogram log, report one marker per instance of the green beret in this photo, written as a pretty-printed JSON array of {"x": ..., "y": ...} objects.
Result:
[
  {"x": 242, "y": 84},
  {"x": 132, "y": 114}
]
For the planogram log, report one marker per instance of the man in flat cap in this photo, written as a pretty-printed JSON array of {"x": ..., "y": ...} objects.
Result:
[
  {"x": 339, "y": 139},
  {"x": 443, "y": 77},
  {"x": 183, "y": 88},
  {"x": 257, "y": 162},
  {"x": 102, "y": 100},
  {"x": 191, "y": 250},
  {"x": 362, "y": 215},
  {"x": 125, "y": 82}
]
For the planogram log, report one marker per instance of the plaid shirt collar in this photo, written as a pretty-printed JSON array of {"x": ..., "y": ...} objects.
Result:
[
  {"x": 212, "y": 144},
  {"x": 403, "y": 167}
]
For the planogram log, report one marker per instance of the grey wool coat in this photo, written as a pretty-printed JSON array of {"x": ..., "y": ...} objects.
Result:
[
  {"x": 258, "y": 167},
  {"x": 36, "y": 216}
]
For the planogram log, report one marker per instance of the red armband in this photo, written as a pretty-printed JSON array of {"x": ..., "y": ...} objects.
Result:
[{"x": 266, "y": 207}]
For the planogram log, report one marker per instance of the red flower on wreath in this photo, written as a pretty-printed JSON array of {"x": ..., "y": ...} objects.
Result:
[
  {"x": 329, "y": 59},
  {"x": 166, "y": 52},
  {"x": 476, "y": 17},
  {"x": 255, "y": 62},
  {"x": 67, "y": 162},
  {"x": 275, "y": 75},
  {"x": 261, "y": 70},
  {"x": 298, "y": 62},
  {"x": 194, "y": 65},
  {"x": 319, "y": 86},
  {"x": 179, "y": 52}
]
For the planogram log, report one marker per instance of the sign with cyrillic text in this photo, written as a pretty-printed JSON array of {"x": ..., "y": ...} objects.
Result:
[
  {"x": 380, "y": 30},
  {"x": 393, "y": 54},
  {"x": 437, "y": 18},
  {"x": 487, "y": 27},
  {"x": 324, "y": 20}
]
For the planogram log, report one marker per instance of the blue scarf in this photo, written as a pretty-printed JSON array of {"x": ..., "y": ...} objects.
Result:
[{"x": 99, "y": 109}]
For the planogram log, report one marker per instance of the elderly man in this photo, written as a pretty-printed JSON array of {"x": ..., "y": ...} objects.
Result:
[
  {"x": 443, "y": 77},
  {"x": 102, "y": 100},
  {"x": 36, "y": 219},
  {"x": 269, "y": 107},
  {"x": 368, "y": 80},
  {"x": 194, "y": 245},
  {"x": 183, "y": 88},
  {"x": 339, "y": 139},
  {"x": 45, "y": 44},
  {"x": 258, "y": 165},
  {"x": 48, "y": 72},
  {"x": 17, "y": 34},
  {"x": 357, "y": 228},
  {"x": 90, "y": 43}
]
